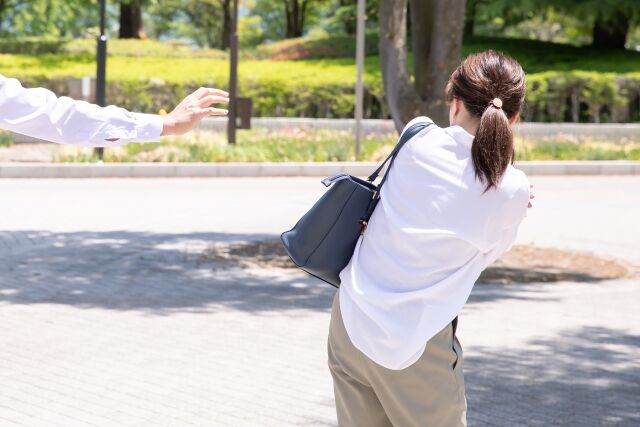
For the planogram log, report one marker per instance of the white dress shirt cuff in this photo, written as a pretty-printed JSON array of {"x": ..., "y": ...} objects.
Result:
[{"x": 149, "y": 127}]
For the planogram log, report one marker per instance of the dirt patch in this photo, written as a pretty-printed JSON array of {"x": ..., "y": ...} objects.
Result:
[{"x": 522, "y": 264}]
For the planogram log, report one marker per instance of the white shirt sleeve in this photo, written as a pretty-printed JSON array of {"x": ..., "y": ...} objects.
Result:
[{"x": 39, "y": 113}]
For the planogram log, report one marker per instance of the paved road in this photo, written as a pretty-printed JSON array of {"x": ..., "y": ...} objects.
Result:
[{"x": 110, "y": 317}]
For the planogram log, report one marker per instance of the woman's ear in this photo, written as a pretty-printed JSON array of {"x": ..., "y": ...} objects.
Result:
[
  {"x": 514, "y": 119},
  {"x": 454, "y": 111}
]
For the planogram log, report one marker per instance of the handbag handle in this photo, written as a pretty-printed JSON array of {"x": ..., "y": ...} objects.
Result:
[{"x": 404, "y": 138}]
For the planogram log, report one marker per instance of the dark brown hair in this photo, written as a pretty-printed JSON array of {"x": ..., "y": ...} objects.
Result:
[{"x": 491, "y": 85}]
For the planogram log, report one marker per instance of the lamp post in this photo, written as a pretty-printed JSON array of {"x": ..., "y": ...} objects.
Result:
[
  {"x": 233, "y": 76},
  {"x": 101, "y": 72},
  {"x": 360, "y": 65}
]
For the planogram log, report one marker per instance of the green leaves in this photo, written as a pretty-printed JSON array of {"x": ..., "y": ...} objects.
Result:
[{"x": 55, "y": 18}]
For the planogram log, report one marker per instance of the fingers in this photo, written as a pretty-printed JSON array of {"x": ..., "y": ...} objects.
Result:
[
  {"x": 207, "y": 91},
  {"x": 204, "y": 112},
  {"x": 212, "y": 99},
  {"x": 217, "y": 111}
]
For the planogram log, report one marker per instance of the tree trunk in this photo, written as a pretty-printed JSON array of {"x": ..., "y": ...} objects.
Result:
[
  {"x": 3, "y": 6},
  {"x": 470, "y": 17},
  {"x": 437, "y": 40},
  {"x": 351, "y": 21},
  {"x": 295, "y": 17},
  {"x": 130, "y": 20},
  {"x": 611, "y": 33},
  {"x": 226, "y": 24},
  {"x": 437, "y": 46},
  {"x": 402, "y": 100}
]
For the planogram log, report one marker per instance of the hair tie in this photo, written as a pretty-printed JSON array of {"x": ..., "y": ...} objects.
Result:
[{"x": 497, "y": 102}]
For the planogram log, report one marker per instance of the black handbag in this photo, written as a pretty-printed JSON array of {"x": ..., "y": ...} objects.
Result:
[{"x": 323, "y": 240}]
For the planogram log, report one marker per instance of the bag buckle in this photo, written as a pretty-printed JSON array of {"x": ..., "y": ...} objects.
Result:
[{"x": 364, "y": 223}]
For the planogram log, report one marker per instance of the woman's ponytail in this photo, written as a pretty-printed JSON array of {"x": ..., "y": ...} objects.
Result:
[
  {"x": 492, "y": 150},
  {"x": 491, "y": 86}
]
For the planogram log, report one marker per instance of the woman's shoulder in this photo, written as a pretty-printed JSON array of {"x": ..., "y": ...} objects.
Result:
[
  {"x": 435, "y": 132},
  {"x": 430, "y": 125}
]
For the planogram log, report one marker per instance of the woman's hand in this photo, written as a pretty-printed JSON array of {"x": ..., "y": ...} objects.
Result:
[
  {"x": 531, "y": 195},
  {"x": 194, "y": 108}
]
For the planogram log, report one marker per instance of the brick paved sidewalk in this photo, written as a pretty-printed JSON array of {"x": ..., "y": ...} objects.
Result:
[{"x": 134, "y": 329}]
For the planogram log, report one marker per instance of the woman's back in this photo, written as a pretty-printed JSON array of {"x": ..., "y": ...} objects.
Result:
[{"x": 433, "y": 232}]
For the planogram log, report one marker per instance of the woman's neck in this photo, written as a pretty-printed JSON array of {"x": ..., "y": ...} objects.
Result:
[{"x": 469, "y": 124}]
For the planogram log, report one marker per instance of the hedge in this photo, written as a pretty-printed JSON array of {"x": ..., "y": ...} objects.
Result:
[
  {"x": 316, "y": 88},
  {"x": 116, "y": 47}
]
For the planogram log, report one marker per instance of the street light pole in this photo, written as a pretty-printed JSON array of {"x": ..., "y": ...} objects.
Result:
[
  {"x": 360, "y": 65},
  {"x": 233, "y": 76},
  {"x": 101, "y": 72}
]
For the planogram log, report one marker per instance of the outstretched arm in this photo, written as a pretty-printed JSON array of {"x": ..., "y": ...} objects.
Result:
[{"x": 41, "y": 114}]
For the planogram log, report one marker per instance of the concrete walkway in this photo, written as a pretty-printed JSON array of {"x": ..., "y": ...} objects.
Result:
[{"x": 111, "y": 317}]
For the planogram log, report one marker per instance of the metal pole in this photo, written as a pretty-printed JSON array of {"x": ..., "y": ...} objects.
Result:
[
  {"x": 233, "y": 76},
  {"x": 360, "y": 66},
  {"x": 101, "y": 72}
]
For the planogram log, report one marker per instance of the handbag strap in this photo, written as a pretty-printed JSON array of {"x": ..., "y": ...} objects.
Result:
[{"x": 404, "y": 138}]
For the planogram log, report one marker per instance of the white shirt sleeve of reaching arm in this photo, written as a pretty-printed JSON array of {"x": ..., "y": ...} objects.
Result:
[{"x": 39, "y": 113}]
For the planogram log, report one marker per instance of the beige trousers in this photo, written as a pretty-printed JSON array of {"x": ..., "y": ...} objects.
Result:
[{"x": 428, "y": 393}]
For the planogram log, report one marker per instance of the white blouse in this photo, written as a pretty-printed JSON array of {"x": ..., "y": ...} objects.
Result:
[
  {"x": 41, "y": 114},
  {"x": 430, "y": 237}
]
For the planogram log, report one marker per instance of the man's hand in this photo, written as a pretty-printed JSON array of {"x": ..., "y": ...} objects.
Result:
[{"x": 194, "y": 108}]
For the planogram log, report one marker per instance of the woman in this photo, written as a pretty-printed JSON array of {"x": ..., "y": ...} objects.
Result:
[{"x": 452, "y": 204}]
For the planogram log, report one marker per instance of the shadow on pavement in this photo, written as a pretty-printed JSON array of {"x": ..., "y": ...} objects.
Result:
[
  {"x": 582, "y": 377},
  {"x": 148, "y": 271},
  {"x": 163, "y": 272}
]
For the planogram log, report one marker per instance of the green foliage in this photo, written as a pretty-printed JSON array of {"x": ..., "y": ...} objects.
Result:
[
  {"x": 562, "y": 150},
  {"x": 307, "y": 145},
  {"x": 564, "y": 21},
  {"x": 341, "y": 16},
  {"x": 319, "y": 46},
  {"x": 537, "y": 56},
  {"x": 33, "y": 45},
  {"x": 294, "y": 145},
  {"x": 197, "y": 20},
  {"x": 116, "y": 47},
  {"x": 565, "y": 83},
  {"x": 273, "y": 18},
  {"x": 6, "y": 139},
  {"x": 54, "y": 18}
]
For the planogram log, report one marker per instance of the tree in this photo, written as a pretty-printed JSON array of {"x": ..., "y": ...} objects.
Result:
[
  {"x": 3, "y": 6},
  {"x": 610, "y": 20},
  {"x": 206, "y": 22},
  {"x": 342, "y": 15},
  {"x": 436, "y": 34},
  {"x": 131, "y": 19},
  {"x": 56, "y": 18},
  {"x": 610, "y": 30},
  {"x": 295, "y": 11}
]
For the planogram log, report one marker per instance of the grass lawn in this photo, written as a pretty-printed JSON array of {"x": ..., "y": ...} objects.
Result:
[
  {"x": 533, "y": 55},
  {"x": 300, "y": 145}
]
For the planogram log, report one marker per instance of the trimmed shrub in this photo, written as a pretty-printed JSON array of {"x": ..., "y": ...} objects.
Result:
[
  {"x": 580, "y": 96},
  {"x": 331, "y": 46},
  {"x": 32, "y": 45},
  {"x": 116, "y": 47},
  {"x": 314, "y": 88}
]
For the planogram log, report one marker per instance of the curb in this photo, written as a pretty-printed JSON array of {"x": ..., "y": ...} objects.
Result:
[{"x": 210, "y": 170}]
